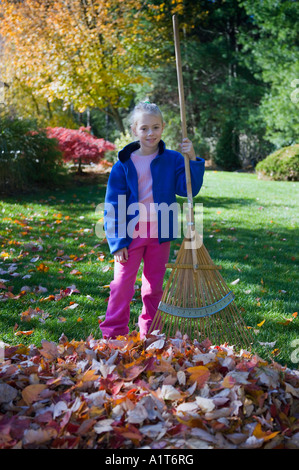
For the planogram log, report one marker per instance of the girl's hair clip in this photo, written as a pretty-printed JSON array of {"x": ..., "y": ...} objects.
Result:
[{"x": 147, "y": 102}]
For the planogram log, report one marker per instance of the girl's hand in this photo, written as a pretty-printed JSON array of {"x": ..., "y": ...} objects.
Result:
[
  {"x": 121, "y": 256},
  {"x": 187, "y": 149}
]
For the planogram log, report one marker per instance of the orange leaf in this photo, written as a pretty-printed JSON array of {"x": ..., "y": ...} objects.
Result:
[
  {"x": 50, "y": 297},
  {"x": 275, "y": 352},
  {"x": 288, "y": 320},
  {"x": 26, "y": 333},
  {"x": 260, "y": 434},
  {"x": 42, "y": 267},
  {"x": 88, "y": 376},
  {"x": 199, "y": 374}
]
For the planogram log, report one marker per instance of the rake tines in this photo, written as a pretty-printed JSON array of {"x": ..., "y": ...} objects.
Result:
[{"x": 197, "y": 302}]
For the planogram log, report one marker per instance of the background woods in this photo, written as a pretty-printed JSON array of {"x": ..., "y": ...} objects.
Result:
[{"x": 85, "y": 62}]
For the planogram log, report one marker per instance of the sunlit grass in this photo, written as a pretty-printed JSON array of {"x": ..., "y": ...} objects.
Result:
[{"x": 250, "y": 227}]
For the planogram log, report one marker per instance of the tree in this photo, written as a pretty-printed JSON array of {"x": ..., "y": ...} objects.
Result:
[
  {"x": 222, "y": 91},
  {"x": 79, "y": 146},
  {"x": 87, "y": 53},
  {"x": 273, "y": 43}
]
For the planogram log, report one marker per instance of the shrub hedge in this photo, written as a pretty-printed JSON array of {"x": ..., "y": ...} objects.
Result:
[
  {"x": 27, "y": 156},
  {"x": 283, "y": 164}
]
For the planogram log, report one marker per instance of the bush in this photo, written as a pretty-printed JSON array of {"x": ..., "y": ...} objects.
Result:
[
  {"x": 283, "y": 164},
  {"x": 27, "y": 156},
  {"x": 79, "y": 146}
]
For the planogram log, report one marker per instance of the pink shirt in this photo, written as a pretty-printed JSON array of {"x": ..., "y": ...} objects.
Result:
[{"x": 145, "y": 194}]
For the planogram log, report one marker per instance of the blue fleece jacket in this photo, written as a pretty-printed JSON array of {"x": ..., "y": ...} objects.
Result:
[{"x": 169, "y": 180}]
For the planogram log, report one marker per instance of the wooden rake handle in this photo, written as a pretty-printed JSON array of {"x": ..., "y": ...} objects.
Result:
[
  {"x": 181, "y": 97},
  {"x": 190, "y": 219}
]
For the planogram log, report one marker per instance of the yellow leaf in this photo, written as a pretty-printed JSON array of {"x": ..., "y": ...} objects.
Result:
[
  {"x": 199, "y": 374},
  {"x": 260, "y": 434},
  {"x": 261, "y": 324}
]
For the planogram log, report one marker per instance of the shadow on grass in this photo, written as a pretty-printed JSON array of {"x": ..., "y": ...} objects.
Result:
[{"x": 263, "y": 260}]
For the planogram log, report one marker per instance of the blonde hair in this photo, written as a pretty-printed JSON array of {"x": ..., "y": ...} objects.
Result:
[{"x": 144, "y": 107}]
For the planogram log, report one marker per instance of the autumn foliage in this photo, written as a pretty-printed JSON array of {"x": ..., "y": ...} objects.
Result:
[
  {"x": 87, "y": 54},
  {"x": 79, "y": 145},
  {"x": 153, "y": 393}
]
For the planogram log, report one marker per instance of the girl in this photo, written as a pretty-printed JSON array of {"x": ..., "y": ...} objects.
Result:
[{"x": 145, "y": 180}]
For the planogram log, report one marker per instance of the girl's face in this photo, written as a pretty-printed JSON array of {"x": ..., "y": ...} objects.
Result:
[{"x": 148, "y": 129}]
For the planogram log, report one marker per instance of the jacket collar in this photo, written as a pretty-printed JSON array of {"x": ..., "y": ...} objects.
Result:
[{"x": 125, "y": 153}]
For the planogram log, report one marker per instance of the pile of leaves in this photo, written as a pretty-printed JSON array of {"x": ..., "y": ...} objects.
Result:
[{"x": 154, "y": 393}]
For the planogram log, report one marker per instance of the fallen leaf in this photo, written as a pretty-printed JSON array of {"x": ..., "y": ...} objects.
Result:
[
  {"x": 42, "y": 267},
  {"x": 105, "y": 425},
  {"x": 25, "y": 333},
  {"x": 39, "y": 436},
  {"x": 7, "y": 393},
  {"x": 168, "y": 392},
  {"x": 112, "y": 394},
  {"x": 72, "y": 306},
  {"x": 288, "y": 320},
  {"x": 265, "y": 435},
  {"x": 199, "y": 374},
  {"x": 205, "y": 404},
  {"x": 31, "y": 393}
]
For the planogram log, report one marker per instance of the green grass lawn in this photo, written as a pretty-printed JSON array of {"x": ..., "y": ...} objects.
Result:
[{"x": 47, "y": 243}]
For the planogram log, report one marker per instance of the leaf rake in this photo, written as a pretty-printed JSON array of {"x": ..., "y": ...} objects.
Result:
[{"x": 196, "y": 300}]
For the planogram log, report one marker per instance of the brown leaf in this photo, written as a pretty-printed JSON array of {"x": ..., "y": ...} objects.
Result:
[
  {"x": 49, "y": 350},
  {"x": 31, "y": 393}
]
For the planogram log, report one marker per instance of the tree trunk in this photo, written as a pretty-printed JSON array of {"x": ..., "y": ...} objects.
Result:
[
  {"x": 80, "y": 171},
  {"x": 114, "y": 112}
]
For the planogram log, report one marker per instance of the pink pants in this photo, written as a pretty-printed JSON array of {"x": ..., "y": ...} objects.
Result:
[{"x": 155, "y": 256}]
